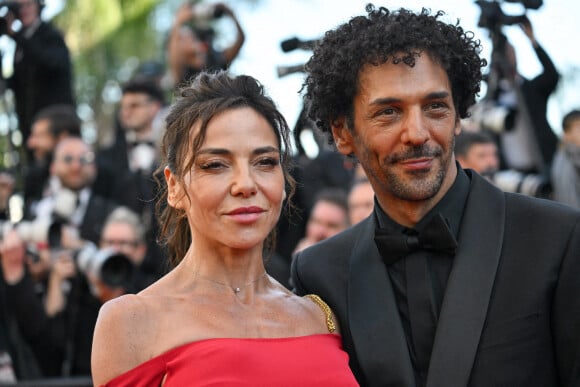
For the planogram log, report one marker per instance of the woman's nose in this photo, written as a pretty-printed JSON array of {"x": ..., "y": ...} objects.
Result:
[{"x": 244, "y": 183}]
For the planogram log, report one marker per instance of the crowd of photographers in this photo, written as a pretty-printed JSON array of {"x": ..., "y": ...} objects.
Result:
[
  {"x": 82, "y": 229},
  {"x": 79, "y": 243},
  {"x": 77, "y": 220}
]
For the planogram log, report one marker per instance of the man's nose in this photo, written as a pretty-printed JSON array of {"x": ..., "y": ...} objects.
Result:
[{"x": 414, "y": 127}]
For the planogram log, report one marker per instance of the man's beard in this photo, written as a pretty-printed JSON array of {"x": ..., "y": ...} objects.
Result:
[{"x": 423, "y": 185}]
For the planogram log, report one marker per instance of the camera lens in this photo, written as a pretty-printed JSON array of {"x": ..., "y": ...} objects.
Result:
[{"x": 116, "y": 270}]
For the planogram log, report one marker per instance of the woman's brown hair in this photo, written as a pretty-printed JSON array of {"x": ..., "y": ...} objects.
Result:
[{"x": 207, "y": 95}]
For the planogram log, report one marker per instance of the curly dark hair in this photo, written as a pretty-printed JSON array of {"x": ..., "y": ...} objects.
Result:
[
  {"x": 383, "y": 35},
  {"x": 207, "y": 95}
]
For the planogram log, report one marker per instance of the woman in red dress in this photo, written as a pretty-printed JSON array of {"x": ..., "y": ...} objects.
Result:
[{"x": 217, "y": 318}]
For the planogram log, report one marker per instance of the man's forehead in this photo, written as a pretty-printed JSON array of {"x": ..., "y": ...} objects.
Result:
[
  {"x": 41, "y": 125},
  {"x": 70, "y": 146},
  {"x": 130, "y": 95},
  {"x": 6, "y": 178}
]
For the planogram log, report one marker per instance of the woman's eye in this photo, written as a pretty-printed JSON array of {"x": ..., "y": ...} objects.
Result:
[
  {"x": 269, "y": 161},
  {"x": 211, "y": 165}
]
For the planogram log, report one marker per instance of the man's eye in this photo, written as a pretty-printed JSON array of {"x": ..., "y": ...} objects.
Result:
[
  {"x": 388, "y": 111},
  {"x": 436, "y": 105}
]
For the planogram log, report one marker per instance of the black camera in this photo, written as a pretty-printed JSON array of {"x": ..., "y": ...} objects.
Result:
[
  {"x": 492, "y": 16},
  {"x": 529, "y": 184},
  {"x": 111, "y": 267}
]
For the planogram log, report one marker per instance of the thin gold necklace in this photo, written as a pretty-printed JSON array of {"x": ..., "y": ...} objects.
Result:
[{"x": 236, "y": 289}]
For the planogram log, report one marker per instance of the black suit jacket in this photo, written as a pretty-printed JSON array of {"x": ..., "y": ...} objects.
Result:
[
  {"x": 42, "y": 73},
  {"x": 79, "y": 318},
  {"x": 98, "y": 209},
  {"x": 511, "y": 311}
]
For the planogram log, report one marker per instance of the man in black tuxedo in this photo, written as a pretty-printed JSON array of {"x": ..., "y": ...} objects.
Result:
[
  {"x": 49, "y": 125},
  {"x": 73, "y": 201},
  {"x": 42, "y": 66},
  {"x": 450, "y": 281},
  {"x": 82, "y": 213},
  {"x": 134, "y": 156}
]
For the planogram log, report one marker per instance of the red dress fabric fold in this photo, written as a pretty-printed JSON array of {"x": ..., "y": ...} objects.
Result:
[{"x": 315, "y": 360}]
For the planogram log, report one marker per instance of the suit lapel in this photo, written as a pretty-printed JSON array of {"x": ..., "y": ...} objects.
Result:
[
  {"x": 375, "y": 325},
  {"x": 469, "y": 286}
]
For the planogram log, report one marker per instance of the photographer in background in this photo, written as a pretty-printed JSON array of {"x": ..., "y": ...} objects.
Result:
[
  {"x": 124, "y": 233},
  {"x": 134, "y": 156},
  {"x": 24, "y": 326},
  {"x": 515, "y": 108},
  {"x": 72, "y": 214},
  {"x": 74, "y": 202},
  {"x": 42, "y": 67},
  {"x": 328, "y": 217},
  {"x": 566, "y": 164},
  {"x": 76, "y": 216},
  {"x": 54, "y": 332},
  {"x": 190, "y": 46},
  {"x": 7, "y": 185},
  {"x": 82, "y": 280},
  {"x": 479, "y": 151},
  {"x": 49, "y": 125}
]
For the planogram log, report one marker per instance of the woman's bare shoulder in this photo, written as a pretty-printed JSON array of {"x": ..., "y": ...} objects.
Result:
[
  {"x": 120, "y": 341},
  {"x": 126, "y": 311},
  {"x": 316, "y": 314},
  {"x": 310, "y": 313}
]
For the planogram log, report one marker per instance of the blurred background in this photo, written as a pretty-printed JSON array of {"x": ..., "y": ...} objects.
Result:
[
  {"x": 76, "y": 186},
  {"x": 110, "y": 40}
]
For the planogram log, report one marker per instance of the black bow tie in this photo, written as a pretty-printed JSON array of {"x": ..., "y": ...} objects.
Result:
[
  {"x": 435, "y": 236},
  {"x": 134, "y": 144}
]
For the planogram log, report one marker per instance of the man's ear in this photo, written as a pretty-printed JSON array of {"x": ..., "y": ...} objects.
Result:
[
  {"x": 458, "y": 128},
  {"x": 175, "y": 192},
  {"x": 342, "y": 136}
]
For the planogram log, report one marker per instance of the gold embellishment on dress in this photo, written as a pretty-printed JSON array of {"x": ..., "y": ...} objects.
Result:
[{"x": 327, "y": 311}]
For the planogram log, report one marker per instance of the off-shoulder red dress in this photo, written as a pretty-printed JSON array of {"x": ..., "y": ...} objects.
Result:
[{"x": 314, "y": 360}]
